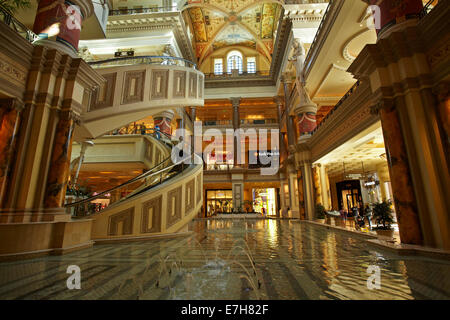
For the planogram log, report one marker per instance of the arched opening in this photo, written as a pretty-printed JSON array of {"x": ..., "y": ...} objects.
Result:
[{"x": 234, "y": 61}]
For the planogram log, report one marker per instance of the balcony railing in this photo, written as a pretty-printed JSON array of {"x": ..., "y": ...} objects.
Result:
[
  {"x": 225, "y": 75},
  {"x": 345, "y": 97},
  {"x": 7, "y": 18},
  {"x": 125, "y": 61},
  {"x": 133, "y": 11},
  {"x": 259, "y": 121},
  {"x": 218, "y": 123}
]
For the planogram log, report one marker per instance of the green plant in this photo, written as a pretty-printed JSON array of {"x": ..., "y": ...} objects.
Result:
[
  {"x": 13, "y": 5},
  {"x": 382, "y": 213},
  {"x": 320, "y": 211}
]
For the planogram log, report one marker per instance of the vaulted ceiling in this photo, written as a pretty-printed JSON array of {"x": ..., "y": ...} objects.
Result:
[{"x": 221, "y": 23}]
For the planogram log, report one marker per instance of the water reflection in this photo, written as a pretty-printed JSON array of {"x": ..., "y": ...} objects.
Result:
[{"x": 232, "y": 259}]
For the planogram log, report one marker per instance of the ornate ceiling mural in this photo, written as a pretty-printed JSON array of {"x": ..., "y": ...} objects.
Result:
[{"x": 218, "y": 24}]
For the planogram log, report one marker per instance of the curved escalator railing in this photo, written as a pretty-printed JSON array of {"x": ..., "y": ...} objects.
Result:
[{"x": 160, "y": 173}]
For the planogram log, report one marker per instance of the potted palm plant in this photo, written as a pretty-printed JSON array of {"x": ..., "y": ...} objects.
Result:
[
  {"x": 382, "y": 212},
  {"x": 320, "y": 213}
]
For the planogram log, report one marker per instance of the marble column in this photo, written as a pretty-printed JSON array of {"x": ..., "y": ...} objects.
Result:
[
  {"x": 235, "y": 102},
  {"x": 237, "y": 185},
  {"x": 301, "y": 194},
  {"x": 58, "y": 174},
  {"x": 318, "y": 199},
  {"x": 404, "y": 197},
  {"x": 383, "y": 177},
  {"x": 163, "y": 121},
  {"x": 308, "y": 192},
  {"x": 442, "y": 93},
  {"x": 84, "y": 146},
  {"x": 10, "y": 115},
  {"x": 293, "y": 191},
  {"x": 61, "y": 19}
]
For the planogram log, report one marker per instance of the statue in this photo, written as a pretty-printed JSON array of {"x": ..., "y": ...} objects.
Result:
[{"x": 298, "y": 57}]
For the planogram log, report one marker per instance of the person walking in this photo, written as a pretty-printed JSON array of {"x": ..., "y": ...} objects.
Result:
[{"x": 368, "y": 214}]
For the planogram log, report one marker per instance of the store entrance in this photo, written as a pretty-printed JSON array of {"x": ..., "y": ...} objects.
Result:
[
  {"x": 349, "y": 195},
  {"x": 218, "y": 201},
  {"x": 265, "y": 201}
]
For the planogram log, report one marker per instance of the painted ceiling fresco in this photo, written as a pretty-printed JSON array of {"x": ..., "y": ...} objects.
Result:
[{"x": 220, "y": 23}]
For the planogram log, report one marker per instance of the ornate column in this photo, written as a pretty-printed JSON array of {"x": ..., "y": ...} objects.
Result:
[
  {"x": 163, "y": 121},
  {"x": 60, "y": 161},
  {"x": 10, "y": 115},
  {"x": 306, "y": 112},
  {"x": 235, "y": 102},
  {"x": 442, "y": 93},
  {"x": 383, "y": 176},
  {"x": 317, "y": 186},
  {"x": 61, "y": 19},
  {"x": 325, "y": 184}
]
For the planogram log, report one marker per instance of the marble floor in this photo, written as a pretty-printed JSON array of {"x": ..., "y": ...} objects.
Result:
[{"x": 232, "y": 259}]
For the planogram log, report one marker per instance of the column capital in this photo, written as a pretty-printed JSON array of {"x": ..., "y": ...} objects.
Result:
[{"x": 235, "y": 101}]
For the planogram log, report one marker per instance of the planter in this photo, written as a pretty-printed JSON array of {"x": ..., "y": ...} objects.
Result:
[
  {"x": 320, "y": 220},
  {"x": 385, "y": 233}
]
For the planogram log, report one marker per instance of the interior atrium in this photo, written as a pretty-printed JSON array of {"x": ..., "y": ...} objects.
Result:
[{"x": 224, "y": 149}]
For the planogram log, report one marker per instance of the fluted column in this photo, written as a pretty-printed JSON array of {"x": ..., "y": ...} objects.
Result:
[
  {"x": 293, "y": 191},
  {"x": 10, "y": 115},
  {"x": 317, "y": 186}
]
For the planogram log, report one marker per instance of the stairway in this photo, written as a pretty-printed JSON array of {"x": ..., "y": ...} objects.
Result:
[{"x": 162, "y": 202}]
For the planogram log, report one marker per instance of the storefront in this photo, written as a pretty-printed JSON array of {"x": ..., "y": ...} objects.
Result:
[
  {"x": 219, "y": 201},
  {"x": 264, "y": 201}
]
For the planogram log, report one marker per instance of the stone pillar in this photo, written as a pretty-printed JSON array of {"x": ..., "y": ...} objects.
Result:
[
  {"x": 383, "y": 176},
  {"x": 317, "y": 186},
  {"x": 443, "y": 96},
  {"x": 163, "y": 120},
  {"x": 413, "y": 134},
  {"x": 61, "y": 19},
  {"x": 394, "y": 12},
  {"x": 306, "y": 112},
  {"x": 237, "y": 185},
  {"x": 10, "y": 110},
  {"x": 325, "y": 185},
  {"x": 293, "y": 191},
  {"x": 308, "y": 192},
  {"x": 405, "y": 204},
  {"x": 236, "y": 124}
]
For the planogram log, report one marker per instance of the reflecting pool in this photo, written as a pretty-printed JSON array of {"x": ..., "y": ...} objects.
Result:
[{"x": 232, "y": 259}]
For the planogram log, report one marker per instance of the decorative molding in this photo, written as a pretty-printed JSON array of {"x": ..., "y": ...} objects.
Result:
[
  {"x": 173, "y": 206},
  {"x": 160, "y": 81},
  {"x": 133, "y": 88},
  {"x": 189, "y": 197},
  {"x": 179, "y": 84},
  {"x": 192, "y": 85},
  {"x": 151, "y": 215},
  {"x": 108, "y": 93},
  {"x": 126, "y": 217}
]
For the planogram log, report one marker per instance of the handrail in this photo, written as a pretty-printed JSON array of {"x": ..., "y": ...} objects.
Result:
[
  {"x": 140, "y": 177},
  {"x": 132, "y": 180},
  {"x": 131, "y": 11},
  {"x": 146, "y": 60},
  {"x": 16, "y": 25},
  {"x": 427, "y": 8}
]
